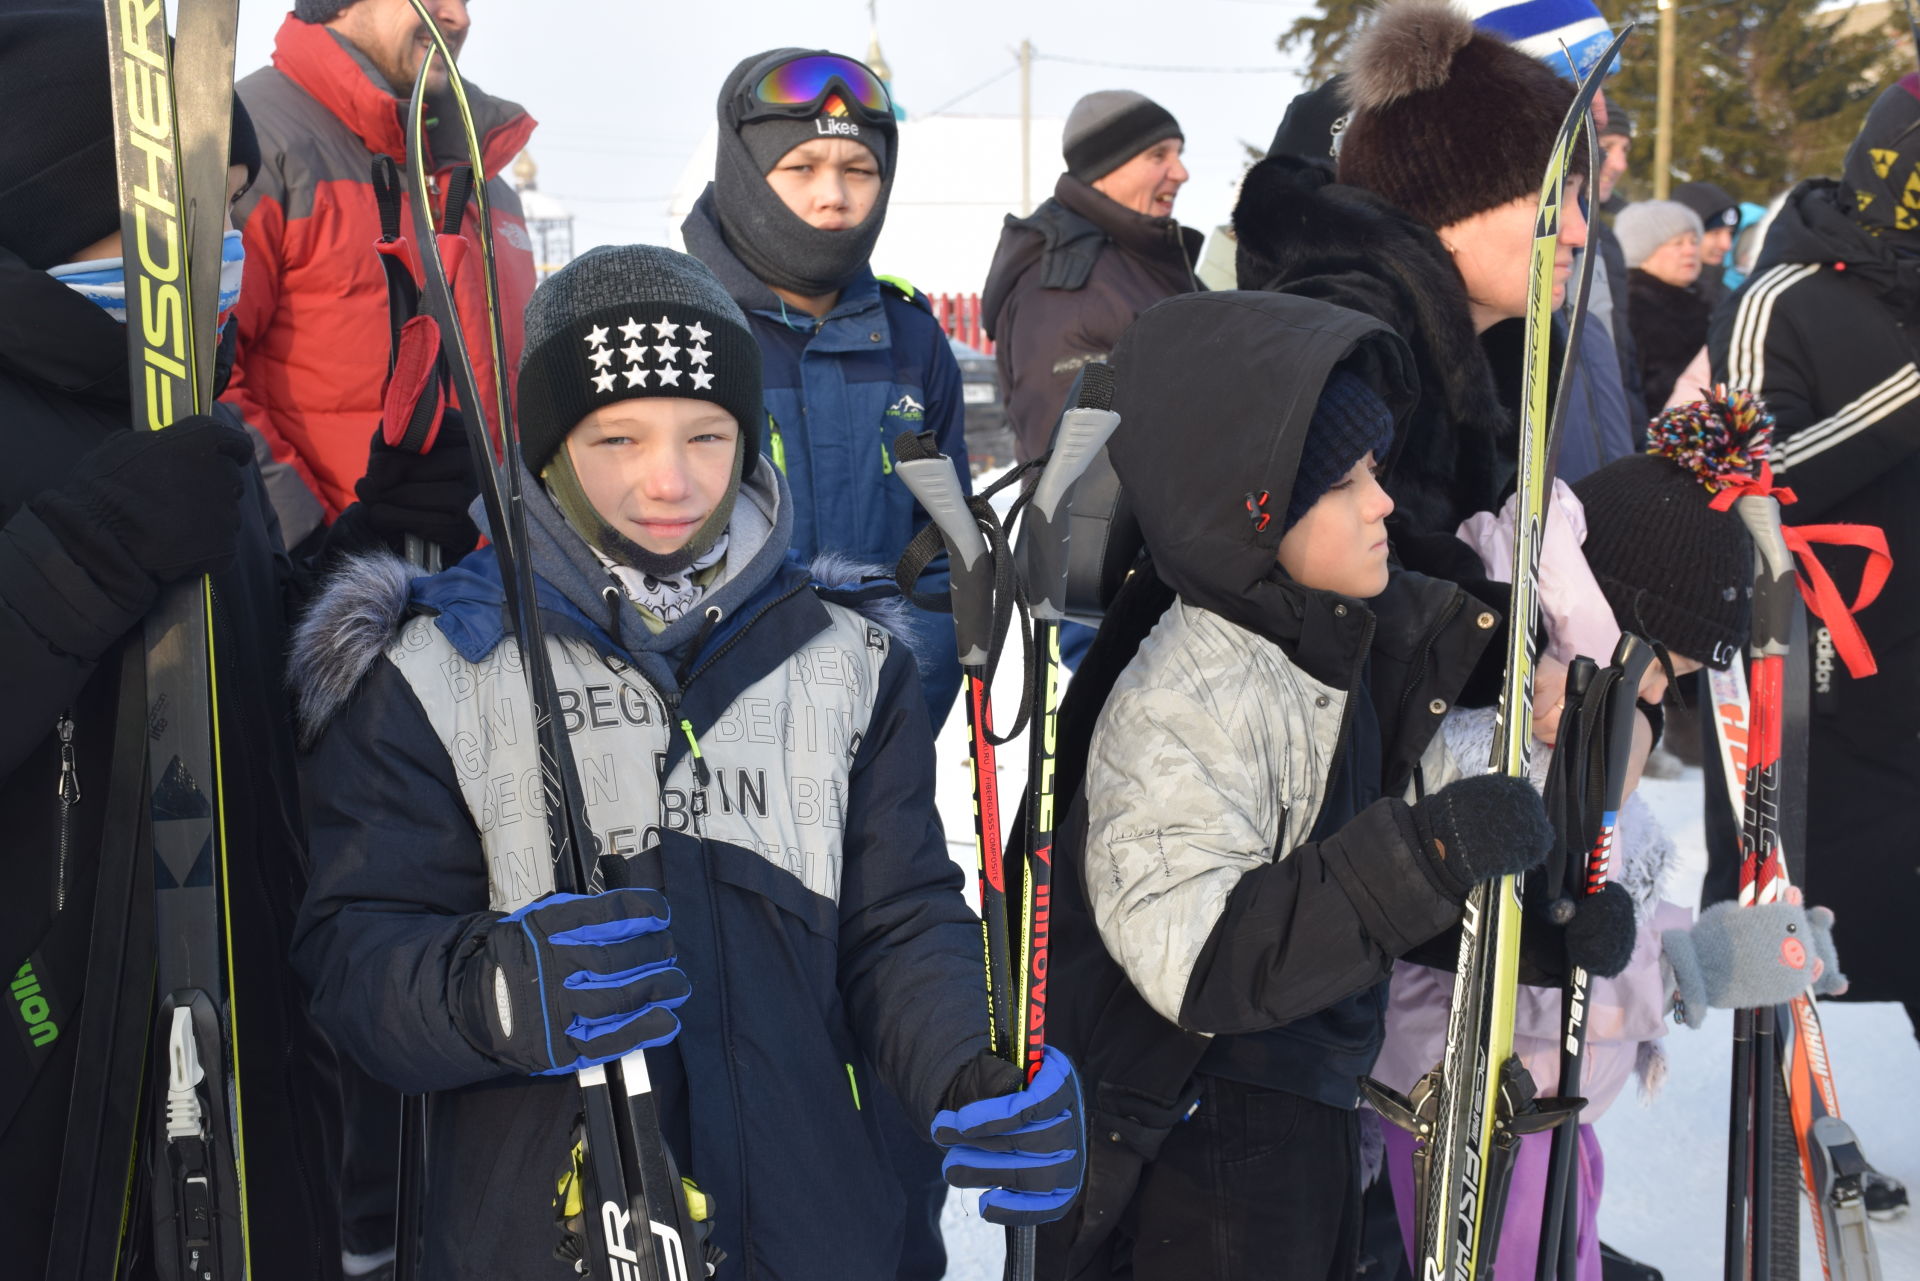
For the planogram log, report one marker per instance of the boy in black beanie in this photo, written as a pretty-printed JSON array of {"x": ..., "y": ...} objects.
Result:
[
  {"x": 1252, "y": 844},
  {"x": 754, "y": 752}
]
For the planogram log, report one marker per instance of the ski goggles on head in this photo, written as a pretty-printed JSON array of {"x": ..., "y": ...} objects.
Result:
[{"x": 800, "y": 87}]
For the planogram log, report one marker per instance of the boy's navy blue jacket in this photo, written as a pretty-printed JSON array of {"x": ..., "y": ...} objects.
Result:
[
  {"x": 838, "y": 389},
  {"x": 809, "y": 975}
]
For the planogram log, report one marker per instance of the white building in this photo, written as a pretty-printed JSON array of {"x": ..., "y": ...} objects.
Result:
[{"x": 957, "y": 180}]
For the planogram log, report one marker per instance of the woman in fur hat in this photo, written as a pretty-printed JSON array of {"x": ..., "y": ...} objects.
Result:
[{"x": 1426, "y": 222}]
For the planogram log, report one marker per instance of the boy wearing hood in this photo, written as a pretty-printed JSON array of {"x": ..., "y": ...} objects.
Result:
[
  {"x": 1268, "y": 818},
  {"x": 1823, "y": 332},
  {"x": 755, "y": 754},
  {"x": 806, "y": 158}
]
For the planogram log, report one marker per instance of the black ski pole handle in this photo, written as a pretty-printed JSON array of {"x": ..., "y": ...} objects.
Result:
[
  {"x": 1046, "y": 527},
  {"x": 1632, "y": 656},
  {"x": 936, "y": 486},
  {"x": 1774, "y": 596}
]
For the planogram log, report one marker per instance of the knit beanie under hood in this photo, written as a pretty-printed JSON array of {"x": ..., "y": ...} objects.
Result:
[
  {"x": 623, "y": 322},
  {"x": 1349, "y": 420},
  {"x": 770, "y": 240},
  {"x": 1882, "y": 171},
  {"x": 59, "y": 191},
  {"x": 1448, "y": 120}
]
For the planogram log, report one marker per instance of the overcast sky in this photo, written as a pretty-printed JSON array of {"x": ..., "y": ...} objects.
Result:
[{"x": 623, "y": 88}]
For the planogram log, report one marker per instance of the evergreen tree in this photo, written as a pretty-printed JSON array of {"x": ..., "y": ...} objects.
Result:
[{"x": 1765, "y": 92}]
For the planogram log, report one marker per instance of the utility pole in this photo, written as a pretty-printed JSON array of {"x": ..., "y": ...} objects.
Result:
[
  {"x": 1663, "y": 111},
  {"x": 1026, "y": 127}
]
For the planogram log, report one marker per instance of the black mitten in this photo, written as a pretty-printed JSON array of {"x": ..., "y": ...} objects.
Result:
[
  {"x": 1477, "y": 829},
  {"x": 143, "y": 509},
  {"x": 426, "y": 495},
  {"x": 1600, "y": 935}
]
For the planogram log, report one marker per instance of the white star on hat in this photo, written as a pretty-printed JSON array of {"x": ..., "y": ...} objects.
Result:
[
  {"x": 601, "y": 356},
  {"x": 635, "y": 353},
  {"x": 696, "y": 332},
  {"x": 665, "y": 328},
  {"x": 605, "y": 380},
  {"x": 667, "y": 353},
  {"x": 597, "y": 336},
  {"x": 669, "y": 377},
  {"x": 698, "y": 356},
  {"x": 632, "y": 330},
  {"x": 701, "y": 379},
  {"x": 637, "y": 377}
]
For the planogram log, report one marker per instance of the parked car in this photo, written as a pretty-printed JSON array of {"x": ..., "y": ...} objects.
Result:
[{"x": 989, "y": 433}]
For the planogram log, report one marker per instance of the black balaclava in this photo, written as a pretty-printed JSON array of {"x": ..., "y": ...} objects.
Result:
[
  {"x": 771, "y": 241},
  {"x": 1882, "y": 172}
]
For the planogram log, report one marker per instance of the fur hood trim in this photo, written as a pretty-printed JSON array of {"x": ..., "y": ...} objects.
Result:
[
  {"x": 367, "y": 599},
  {"x": 349, "y": 624}
]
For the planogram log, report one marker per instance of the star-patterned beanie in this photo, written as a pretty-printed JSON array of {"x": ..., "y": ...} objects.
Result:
[{"x": 626, "y": 321}]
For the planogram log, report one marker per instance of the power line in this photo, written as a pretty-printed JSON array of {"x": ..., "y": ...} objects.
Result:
[
  {"x": 993, "y": 79},
  {"x": 1155, "y": 66}
]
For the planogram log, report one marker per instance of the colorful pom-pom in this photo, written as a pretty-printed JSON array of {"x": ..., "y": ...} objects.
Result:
[{"x": 1723, "y": 439}]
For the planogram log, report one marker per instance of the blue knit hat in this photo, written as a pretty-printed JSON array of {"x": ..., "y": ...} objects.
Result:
[
  {"x": 1549, "y": 30},
  {"x": 1349, "y": 421}
]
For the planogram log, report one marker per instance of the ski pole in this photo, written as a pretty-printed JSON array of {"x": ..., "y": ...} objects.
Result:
[
  {"x": 636, "y": 1216},
  {"x": 1762, "y": 880},
  {"x": 1560, "y": 1238},
  {"x": 1044, "y": 533},
  {"x": 972, "y": 583}
]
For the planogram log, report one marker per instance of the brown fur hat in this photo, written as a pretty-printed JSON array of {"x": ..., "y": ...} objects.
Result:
[{"x": 1448, "y": 119}]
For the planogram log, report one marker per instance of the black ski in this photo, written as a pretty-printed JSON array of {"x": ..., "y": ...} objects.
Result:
[
  {"x": 173, "y": 189},
  {"x": 637, "y": 1224}
]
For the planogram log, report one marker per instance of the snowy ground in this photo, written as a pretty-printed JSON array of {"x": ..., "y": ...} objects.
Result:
[{"x": 1665, "y": 1160}]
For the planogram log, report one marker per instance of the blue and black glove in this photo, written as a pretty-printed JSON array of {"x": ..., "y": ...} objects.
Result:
[
  {"x": 1027, "y": 1145},
  {"x": 573, "y": 980}
]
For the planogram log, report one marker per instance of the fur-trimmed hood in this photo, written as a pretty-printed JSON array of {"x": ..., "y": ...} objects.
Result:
[
  {"x": 1300, "y": 232},
  {"x": 366, "y": 600}
]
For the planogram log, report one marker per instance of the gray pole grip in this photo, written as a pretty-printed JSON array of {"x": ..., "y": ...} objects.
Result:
[
  {"x": 936, "y": 487},
  {"x": 1774, "y": 594},
  {"x": 1047, "y": 525}
]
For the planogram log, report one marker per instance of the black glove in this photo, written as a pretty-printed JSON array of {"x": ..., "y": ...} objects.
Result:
[
  {"x": 1478, "y": 829},
  {"x": 570, "y": 981},
  {"x": 143, "y": 509},
  {"x": 426, "y": 495}
]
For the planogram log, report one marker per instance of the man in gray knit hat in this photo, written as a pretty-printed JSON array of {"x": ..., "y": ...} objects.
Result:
[
  {"x": 754, "y": 750},
  {"x": 1068, "y": 280}
]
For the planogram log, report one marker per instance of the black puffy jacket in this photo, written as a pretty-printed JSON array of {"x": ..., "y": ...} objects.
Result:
[{"x": 63, "y": 389}]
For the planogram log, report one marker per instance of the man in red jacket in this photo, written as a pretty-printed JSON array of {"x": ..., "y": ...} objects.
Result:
[{"x": 313, "y": 332}]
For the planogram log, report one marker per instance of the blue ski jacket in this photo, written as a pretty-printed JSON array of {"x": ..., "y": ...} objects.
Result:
[
  {"x": 814, "y": 907},
  {"x": 838, "y": 390}
]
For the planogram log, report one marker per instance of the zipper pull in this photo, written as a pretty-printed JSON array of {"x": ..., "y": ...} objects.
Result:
[
  {"x": 700, "y": 770},
  {"x": 69, "y": 786}
]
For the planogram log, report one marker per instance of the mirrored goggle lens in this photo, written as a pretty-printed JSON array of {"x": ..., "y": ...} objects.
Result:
[{"x": 804, "y": 80}]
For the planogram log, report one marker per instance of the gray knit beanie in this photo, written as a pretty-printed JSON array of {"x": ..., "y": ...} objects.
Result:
[
  {"x": 1108, "y": 128},
  {"x": 317, "y": 11},
  {"x": 1645, "y": 226},
  {"x": 626, "y": 321}
]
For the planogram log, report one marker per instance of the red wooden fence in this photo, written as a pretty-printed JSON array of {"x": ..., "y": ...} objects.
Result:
[{"x": 959, "y": 315}]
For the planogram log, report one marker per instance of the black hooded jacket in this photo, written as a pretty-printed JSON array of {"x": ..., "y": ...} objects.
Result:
[
  {"x": 1454, "y": 453},
  {"x": 63, "y": 644},
  {"x": 1824, "y": 332},
  {"x": 1304, "y": 938}
]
